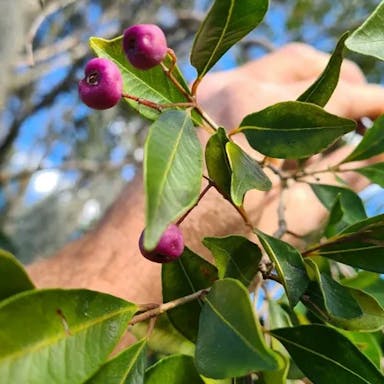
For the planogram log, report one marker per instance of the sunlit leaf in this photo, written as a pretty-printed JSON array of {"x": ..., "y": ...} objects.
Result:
[
  {"x": 172, "y": 172},
  {"x": 188, "y": 274},
  {"x": 289, "y": 265},
  {"x": 368, "y": 39},
  {"x": 230, "y": 341},
  {"x": 235, "y": 257},
  {"x": 152, "y": 84},
  {"x": 174, "y": 369},
  {"x": 372, "y": 143},
  {"x": 322, "y": 89},
  {"x": 59, "y": 336},
  {"x": 247, "y": 174},
  {"x": 227, "y": 22},
  {"x": 13, "y": 277},
  {"x": 293, "y": 129},
  {"x": 325, "y": 355},
  {"x": 127, "y": 367}
]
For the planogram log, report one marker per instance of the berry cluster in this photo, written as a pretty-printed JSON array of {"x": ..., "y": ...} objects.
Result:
[{"x": 145, "y": 46}]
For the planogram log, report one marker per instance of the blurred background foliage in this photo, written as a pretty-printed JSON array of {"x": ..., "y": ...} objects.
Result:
[{"x": 62, "y": 164}]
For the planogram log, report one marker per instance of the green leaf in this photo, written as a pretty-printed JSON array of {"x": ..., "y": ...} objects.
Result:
[
  {"x": 322, "y": 89},
  {"x": 293, "y": 129},
  {"x": 153, "y": 84},
  {"x": 279, "y": 376},
  {"x": 289, "y": 265},
  {"x": 323, "y": 354},
  {"x": 368, "y": 39},
  {"x": 230, "y": 341},
  {"x": 127, "y": 367},
  {"x": 337, "y": 300},
  {"x": 349, "y": 206},
  {"x": 175, "y": 369},
  {"x": 360, "y": 245},
  {"x": 227, "y": 22},
  {"x": 13, "y": 277},
  {"x": 374, "y": 172},
  {"x": 172, "y": 172},
  {"x": 372, "y": 143},
  {"x": 368, "y": 344},
  {"x": 59, "y": 336},
  {"x": 369, "y": 282},
  {"x": 246, "y": 174},
  {"x": 217, "y": 162},
  {"x": 235, "y": 257},
  {"x": 188, "y": 274}
]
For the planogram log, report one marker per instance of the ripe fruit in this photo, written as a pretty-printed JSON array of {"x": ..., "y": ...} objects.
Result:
[
  {"x": 102, "y": 86},
  {"x": 145, "y": 45},
  {"x": 169, "y": 248}
]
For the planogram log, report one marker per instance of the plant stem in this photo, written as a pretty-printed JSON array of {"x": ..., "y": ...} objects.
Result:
[
  {"x": 168, "y": 306},
  {"x": 157, "y": 106}
]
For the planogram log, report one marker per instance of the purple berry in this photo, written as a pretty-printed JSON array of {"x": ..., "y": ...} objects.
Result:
[
  {"x": 145, "y": 45},
  {"x": 102, "y": 86},
  {"x": 169, "y": 248}
]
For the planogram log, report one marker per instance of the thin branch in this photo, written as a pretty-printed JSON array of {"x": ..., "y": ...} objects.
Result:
[{"x": 168, "y": 306}]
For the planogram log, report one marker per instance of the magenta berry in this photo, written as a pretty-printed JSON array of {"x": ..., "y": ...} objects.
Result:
[
  {"x": 169, "y": 248},
  {"x": 145, "y": 45},
  {"x": 102, "y": 86}
]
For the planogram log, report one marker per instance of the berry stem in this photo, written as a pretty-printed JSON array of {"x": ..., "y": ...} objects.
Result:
[{"x": 157, "y": 106}]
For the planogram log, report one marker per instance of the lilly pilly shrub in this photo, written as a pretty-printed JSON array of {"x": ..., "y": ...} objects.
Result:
[{"x": 325, "y": 327}]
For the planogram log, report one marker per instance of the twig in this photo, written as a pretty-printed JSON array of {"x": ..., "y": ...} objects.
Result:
[{"x": 168, "y": 306}]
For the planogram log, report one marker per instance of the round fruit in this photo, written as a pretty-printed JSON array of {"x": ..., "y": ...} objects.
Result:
[
  {"x": 169, "y": 248},
  {"x": 145, "y": 45},
  {"x": 102, "y": 86}
]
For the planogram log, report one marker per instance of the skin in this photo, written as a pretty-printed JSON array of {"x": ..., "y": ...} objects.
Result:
[{"x": 108, "y": 258}]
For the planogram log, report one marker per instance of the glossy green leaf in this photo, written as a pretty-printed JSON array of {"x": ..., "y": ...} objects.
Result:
[
  {"x": 152, "y": 84},
  {"x": 217, "y": 162},
  {"x": 235, "y": 256},
  {"x": 188, "y": 274},
  {"x": 324, "y": 354},
  {"x": 360, "y": 245},
  {"x": 374, "y": 172},
  {"x": 247, "y": 174},
  {"x": 368, "y": 39},
  {"x": 289, "y": 265},
  {"x": 227, "y": 22},
  {"x": 172, "y": 172},
  {"x": 175, "y": 369},
  {"x": 322, "y": 89},
  {"x": 372, "y": 143},
  {"x": 279, "y": 376},
  {"x": 59, "y": 336},
  {"x": 278, "y": 317},
  {"x": 13, "y": 277},
  {"x": 350, "y": 208},
  {"x": 127, "y": 367},
  {"x": 293, "y": 129},
  {"x": 230, "y": 341},
  {"x": 337, "y": 300}
]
